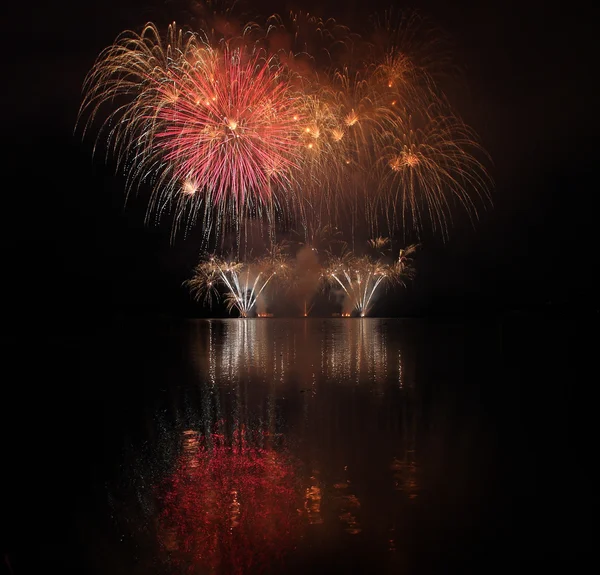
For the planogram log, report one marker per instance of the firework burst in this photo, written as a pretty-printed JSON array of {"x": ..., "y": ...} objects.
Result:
[
  {"x": 425, "y": 172},
  {"x": 217, "y": 132}
]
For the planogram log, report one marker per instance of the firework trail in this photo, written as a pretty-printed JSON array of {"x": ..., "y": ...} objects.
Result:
[{"x": 424, "y": 171}]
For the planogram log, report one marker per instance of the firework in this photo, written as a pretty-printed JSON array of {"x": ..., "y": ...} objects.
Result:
[
  {"x": 244, "y": 283},
  {"x": 379, "y": 244},
  {"x": 242, "y": 287},
  {"x": 290, "y": 121},
  {"x": 216, "y": 131},
  {"x": 426, "y": 170},
  {"x": 360, "y": 278}
]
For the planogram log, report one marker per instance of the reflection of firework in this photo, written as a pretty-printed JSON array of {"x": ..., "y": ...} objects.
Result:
[
  {"x": 285, "y": 120},
  {"x": 227, "y": 508},
  {"x": 361, "y": 277}
]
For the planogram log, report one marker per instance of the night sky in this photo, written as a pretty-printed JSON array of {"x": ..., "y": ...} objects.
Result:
[{"x": 74, "y": 249}]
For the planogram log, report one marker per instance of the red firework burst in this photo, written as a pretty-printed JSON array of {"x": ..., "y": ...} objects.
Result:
[{"x": 230, "y": 128}]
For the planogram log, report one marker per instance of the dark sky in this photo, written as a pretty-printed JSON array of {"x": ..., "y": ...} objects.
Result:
[{"x": 73, "y": 249}]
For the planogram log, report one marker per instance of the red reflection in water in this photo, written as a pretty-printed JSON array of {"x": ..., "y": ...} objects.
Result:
[{"x": 229, "y": 508}]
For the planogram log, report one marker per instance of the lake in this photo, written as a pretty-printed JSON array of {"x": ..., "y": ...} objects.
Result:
[{"x": 283, "y": 446}]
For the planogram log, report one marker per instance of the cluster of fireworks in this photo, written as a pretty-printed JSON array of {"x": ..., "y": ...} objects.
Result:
[
  {"x": 286, "y": 121},
  {"x": 361, "y": 277},
  {"x": 358, "y": 279},
  {"x": 243, "y": 282}
]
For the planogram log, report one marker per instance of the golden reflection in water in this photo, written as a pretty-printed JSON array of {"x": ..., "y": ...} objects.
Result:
[
  {"x": 405, "y": 475},
  {"x": 312, "y": 504},
  {"x": 350, "y": 351},
  {"x": 348, "y": 505}
]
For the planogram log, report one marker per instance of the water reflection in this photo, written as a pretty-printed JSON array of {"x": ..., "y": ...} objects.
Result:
[
  {"x": 347, "y": 503},
  {"x": 286, "y": 439},
  {"x": 279, "y": 350},
  {"x": 228, "y": 505},
  {"x": 312, "y": 504}
]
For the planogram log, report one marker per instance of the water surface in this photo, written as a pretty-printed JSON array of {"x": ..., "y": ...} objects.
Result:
[{"x": 279, "y": 446}]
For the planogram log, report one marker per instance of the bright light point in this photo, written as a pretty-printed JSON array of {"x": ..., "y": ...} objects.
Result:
[
  {"x": 403, "y": 160},
  {"x": 351, "y": 118},
  {"x": 337, "y": 135},
  {"x": 307, "y": 130},
  {"x": 310, "y": 145},
  {"x": 390, "y": 84},
  {"x": 189, "y": 187},
  {"x": 295, "y": 118},
  {"x": 411, "y": 159},
  {"x": 232, "y": 124}
]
